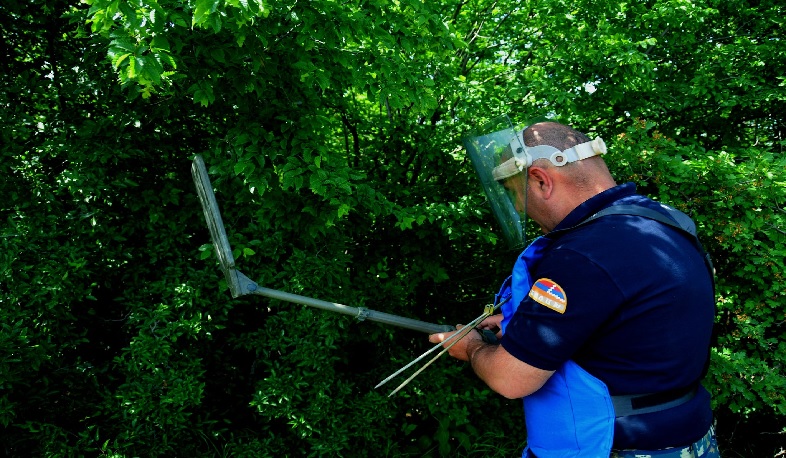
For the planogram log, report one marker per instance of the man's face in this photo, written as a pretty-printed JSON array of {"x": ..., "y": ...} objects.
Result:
[{"x": 517, "y": 191}]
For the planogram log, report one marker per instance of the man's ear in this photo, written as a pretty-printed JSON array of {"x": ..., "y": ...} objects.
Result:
[{"x": 542, "y": 182}]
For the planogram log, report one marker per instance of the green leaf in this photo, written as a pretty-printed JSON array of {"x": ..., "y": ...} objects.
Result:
[{"x": 203, "y": 10}]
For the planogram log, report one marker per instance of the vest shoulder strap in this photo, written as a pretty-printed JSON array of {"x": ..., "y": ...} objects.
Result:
[
  {"x": 675, "y": 218},
  {"x": 672, "y": 217}
]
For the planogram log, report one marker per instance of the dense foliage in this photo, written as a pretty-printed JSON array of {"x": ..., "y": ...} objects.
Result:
[{"x": 332, "y": 132}]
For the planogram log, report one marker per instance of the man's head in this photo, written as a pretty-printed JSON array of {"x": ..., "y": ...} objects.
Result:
[
  {"x": 553, "y": 134},
  {"x": 554, "y": 191},
  {"x": 556, "y": 163}
]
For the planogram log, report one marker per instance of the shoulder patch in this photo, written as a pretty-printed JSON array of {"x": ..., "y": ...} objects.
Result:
[{"x": 550, "y": 294}]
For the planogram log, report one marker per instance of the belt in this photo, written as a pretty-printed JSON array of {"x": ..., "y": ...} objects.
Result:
[{"x": 637, "y": 404}]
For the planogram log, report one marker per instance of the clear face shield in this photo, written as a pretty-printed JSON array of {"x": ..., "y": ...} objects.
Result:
[
  {"x": 503, "y": 182},
  {"x": 501, "y": 160}
]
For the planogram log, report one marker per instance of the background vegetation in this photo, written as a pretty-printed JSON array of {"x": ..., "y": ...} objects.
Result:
[{"x": 332, "y": 131}]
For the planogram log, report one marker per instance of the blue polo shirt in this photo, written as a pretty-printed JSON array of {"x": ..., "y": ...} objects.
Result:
[{"x": 637, "y": 314}]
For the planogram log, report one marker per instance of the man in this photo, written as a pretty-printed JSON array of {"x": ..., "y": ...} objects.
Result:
[{"x": 607, "y": 324}]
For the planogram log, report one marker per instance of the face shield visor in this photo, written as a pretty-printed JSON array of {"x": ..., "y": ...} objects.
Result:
[
  {"x": 501, "y": 158},
  {"x": 503, "y": 182}
]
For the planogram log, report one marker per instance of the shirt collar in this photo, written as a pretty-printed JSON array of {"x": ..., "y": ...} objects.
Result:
[{"x": 596, "y": 203}]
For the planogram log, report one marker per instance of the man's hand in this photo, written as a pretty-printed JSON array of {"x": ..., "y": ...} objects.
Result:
[
  {"x": 502, "y": 372},
  {"x": 464, "y": 348},
  {"x": 492, "y": 323}
]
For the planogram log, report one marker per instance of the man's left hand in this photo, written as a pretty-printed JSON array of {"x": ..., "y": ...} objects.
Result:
[{"x": 461, "y": 349}]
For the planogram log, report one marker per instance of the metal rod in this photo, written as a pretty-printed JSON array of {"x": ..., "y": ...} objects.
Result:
[
  {"x": 487, "y": 312},
  {"x": 461, "y": 332},
  {"x": 358, "y": 312},
  {"x": 426, "y": 353},
  {"x": 240, "y": 285}
]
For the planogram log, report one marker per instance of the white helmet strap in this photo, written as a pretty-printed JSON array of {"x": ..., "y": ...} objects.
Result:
[{"x": 524, "y": 156}]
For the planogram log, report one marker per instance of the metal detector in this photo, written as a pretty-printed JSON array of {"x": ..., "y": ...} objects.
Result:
[{"x": 240, "y": 285}]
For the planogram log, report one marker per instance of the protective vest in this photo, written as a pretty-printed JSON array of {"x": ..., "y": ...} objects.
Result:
[{"x": 572, "y": 415}]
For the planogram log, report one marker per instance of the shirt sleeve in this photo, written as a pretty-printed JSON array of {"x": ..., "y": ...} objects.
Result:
[{"x": 570, "y": 300}]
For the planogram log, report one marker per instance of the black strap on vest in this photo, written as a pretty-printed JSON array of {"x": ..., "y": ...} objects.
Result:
[
  {"x": 637, "y": 404},
  {"x": 675, "y": 219},
  {"x": 654, "y": 402}
]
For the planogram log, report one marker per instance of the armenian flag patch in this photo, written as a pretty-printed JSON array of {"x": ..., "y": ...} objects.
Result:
[{"x": 550, "y": 294}]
